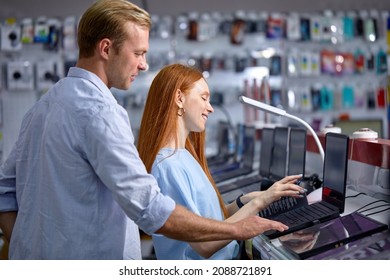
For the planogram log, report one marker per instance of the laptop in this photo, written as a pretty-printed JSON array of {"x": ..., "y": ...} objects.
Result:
[
  {"x": 267, "y": 139},
  {"x": 331, "y": 234},
  {"x": 295, "y": 139},
  {"x": 278, "y": 168},
  {"x": 300, "y": 214},
  {"x": 223, "y": 153},
  {"x": 245, "y": 156},
  {"x": 296, "y": 152},
  {"x": 273, "y": 161},
  {"x": 296, "y": 165},
  {"x": 233, "y": 162}
]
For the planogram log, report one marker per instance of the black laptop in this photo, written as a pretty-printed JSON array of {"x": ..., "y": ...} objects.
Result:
[
  {"x": 278, "y": 168},
  {"x": 245, "y": 157},
  {"x": 296, "y": 165},
  {"x": 283, "y": 137},
  {"x": 299, "y": 214},
  {"x": 267, "y": 140},
  {"x": 223, "y": 153},
  {"x": 233, "y": 162},
  {"x": 296, "y": 152}
]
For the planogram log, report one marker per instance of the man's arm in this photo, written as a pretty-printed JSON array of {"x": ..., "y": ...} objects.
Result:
[
  {"x": 7, "y": 221},
  {"x": 186, "y": 226}
]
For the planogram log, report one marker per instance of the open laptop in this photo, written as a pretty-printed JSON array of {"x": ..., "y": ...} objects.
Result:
[
  {"x": 300, "y": 214},
  {"x": 267, "y": 140},
  {"x": 278, "y": 169},
  {"x": 233, "y": 162},
  {"x": 223, "y": 153},
  {"x": 245, "y": 157},
  {"x": 279, "y": 159},
  {"x": 296, "y": 152}
]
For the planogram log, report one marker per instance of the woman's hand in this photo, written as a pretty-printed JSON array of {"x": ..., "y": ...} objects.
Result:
[{"x": 283, "y": 187}]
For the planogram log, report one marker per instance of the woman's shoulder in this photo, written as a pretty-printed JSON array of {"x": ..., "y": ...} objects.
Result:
[{"x": 173, "y": 161}]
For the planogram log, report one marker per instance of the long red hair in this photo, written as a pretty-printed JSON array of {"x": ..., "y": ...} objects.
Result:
[{"x": 159, "y": 119}]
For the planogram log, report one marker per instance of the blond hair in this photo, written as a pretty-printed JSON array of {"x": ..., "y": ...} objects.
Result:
[{"x": 106, "y": 19}]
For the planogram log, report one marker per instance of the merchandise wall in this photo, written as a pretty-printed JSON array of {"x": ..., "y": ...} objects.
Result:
[{"x": 325, "y": 66}]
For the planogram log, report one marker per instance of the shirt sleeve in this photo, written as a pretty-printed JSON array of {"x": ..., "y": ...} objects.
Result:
[
  {"x": 109, "y": 145},
  {"x": 8, "y": 200}
]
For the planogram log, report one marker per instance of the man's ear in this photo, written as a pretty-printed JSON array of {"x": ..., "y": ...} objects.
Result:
[{"x": 104, "y": 47}]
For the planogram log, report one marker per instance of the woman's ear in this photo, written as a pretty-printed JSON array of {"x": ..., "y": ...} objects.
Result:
[{"x": 179, "y": 98}]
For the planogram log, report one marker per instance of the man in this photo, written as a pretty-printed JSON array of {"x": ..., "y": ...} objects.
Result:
[{"x": 73, "y": 186}]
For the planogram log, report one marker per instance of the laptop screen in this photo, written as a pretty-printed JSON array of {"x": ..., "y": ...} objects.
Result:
[
  {"x": 335, "y": 169},
  {"x": 279, "y": 153},
  {"x": 297, "y": 152},
  {"x": 267, "y": 139},
  {"x": 249, "y": 146},
  {"x": 223, "y": 138}
]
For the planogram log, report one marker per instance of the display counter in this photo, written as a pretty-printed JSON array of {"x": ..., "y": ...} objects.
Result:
[{"x": 368, "y": 183}]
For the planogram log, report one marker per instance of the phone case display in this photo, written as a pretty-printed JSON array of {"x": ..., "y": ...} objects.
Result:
[
  {"x": 347, "y": 93},
  {"x": 53, "y": 42},
  {"x": 292, "y": 63},
  {"x": 275, "y": 68},
  {"x": 327, "y": 99},
  {"x": 10, "y": 36},
  {"x": 275, "y": 26},
  {"x": 316, "y": 97},
  {"x": 41, "y": 30},
  {"x": 46, "y": 74},
  {"x": 315, "y": 27},
  {"x": 27, "y": 30},
  {"x": 237, "y": 30},
  {"x": 293, "y": 31},
  {"x": 69, "y": 32},
  {"x": 20, "y": 75},
  {"x": 317, "y": 62},
  {"x": 349, "y": 25}
]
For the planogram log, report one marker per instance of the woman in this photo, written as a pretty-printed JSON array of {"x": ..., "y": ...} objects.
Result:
[{"x": 172, "y": 145}]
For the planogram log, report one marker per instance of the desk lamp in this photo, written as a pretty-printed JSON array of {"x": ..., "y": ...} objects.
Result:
[{"x": 280, "y": 112}]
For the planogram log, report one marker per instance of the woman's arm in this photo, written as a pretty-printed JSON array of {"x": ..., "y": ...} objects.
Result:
[
  {"x": 253, "y": 203},
  {"x": 283, "y": 187}
]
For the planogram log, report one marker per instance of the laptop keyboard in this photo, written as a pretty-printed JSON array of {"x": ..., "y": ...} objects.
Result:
[
  {"x": 284, "y": 204},
  {"x": 304, "y": 216}
]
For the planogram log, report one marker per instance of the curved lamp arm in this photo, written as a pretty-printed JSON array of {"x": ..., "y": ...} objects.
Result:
[{"x": 280, "y": 112}]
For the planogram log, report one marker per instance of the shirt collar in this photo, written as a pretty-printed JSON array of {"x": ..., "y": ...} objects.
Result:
[{"x": 78, "y": 72}]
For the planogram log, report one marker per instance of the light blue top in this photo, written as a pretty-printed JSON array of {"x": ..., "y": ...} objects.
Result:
[
  {"x": 74, "y": 174},
  {"x": 182, "y": 178}
]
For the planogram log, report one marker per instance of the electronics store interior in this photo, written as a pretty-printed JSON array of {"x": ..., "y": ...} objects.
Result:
[{"x": 297, "y": 87}]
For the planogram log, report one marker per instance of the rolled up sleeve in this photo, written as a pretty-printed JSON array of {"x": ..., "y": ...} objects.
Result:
[{"x": 111, "y": 151}]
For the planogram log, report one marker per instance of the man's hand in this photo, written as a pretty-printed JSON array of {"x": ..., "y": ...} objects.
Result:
[{"x": 254, "y": 225}]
